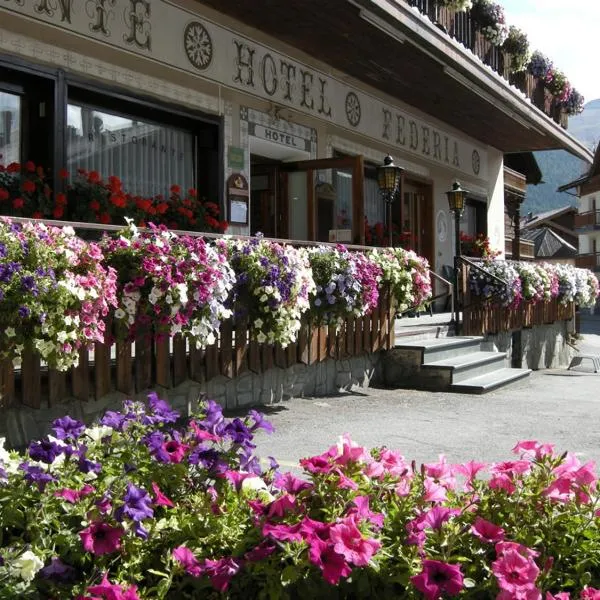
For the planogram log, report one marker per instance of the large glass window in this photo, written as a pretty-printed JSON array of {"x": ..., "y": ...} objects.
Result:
[
  {"x": 147, "y": 157},
  {"x": 10, "y": 128}
]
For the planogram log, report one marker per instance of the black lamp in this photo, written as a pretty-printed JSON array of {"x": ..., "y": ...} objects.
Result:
[
  {"x": 456, "y": 203},
  {"x": 388, "y": 179}
]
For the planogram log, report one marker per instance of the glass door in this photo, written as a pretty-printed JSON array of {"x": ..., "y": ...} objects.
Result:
[{"x": 322, "y": 200}]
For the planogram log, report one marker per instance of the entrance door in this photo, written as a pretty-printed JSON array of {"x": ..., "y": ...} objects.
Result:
[
  {"x": 322, "y": 200},
  {"x": 416, "y": 217}
]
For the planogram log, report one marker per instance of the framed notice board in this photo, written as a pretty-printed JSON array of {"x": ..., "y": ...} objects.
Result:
[{"x": 238, "y": 199}]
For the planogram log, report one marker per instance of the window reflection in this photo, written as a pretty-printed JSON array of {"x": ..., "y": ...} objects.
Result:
[
  {"x": 147, "y": 157},
  {"x": 10, "y": 128}
]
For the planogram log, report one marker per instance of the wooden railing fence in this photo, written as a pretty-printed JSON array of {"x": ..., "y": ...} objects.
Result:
[
  {"x": 481, "y": 318},
  {"x": 132, "y": 367}
]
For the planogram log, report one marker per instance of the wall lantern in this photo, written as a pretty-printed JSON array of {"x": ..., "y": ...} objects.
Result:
[
  {"x": 456, "y": 203},
  {"x": 389, "y": 177}
]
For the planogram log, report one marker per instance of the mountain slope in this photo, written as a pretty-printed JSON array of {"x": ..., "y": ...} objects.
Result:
[{"x": 559, "y": 167}]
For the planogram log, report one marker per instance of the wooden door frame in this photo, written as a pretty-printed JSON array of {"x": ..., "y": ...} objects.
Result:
[{"x": 354, "y": 163}]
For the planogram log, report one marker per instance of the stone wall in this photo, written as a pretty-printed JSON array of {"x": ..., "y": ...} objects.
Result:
[
  {"x": 23, "y": 424},
  {"x": 544, "y": 346}
]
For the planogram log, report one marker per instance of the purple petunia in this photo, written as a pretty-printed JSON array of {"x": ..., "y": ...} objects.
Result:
[
  {"x": 45, "y": 451},
  {"x": 260, "y": 422},
  {"x": 68, "y": 428},
  {"x": 34, "y": 474},
  {"x": 137, "y": 504},
  {"x": 57, "y": 570}
]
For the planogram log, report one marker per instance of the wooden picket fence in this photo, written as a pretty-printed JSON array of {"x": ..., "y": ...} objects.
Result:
[
  {"x": 481, "y": 318},
  {"x": 132, "y": 367}
]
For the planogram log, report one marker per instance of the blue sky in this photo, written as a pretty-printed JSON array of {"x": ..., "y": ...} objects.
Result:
[{"x": 567, "y": 32}]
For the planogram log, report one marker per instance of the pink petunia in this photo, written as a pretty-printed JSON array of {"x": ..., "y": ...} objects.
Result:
[
  {"x": 74, "y": 496},
  {"x": 185, "y": 557},
  {"x": 588, "y": 593},
  {"x": 434, "y": 492},
  {"x": 558, "y": 596},
  {"x": 332, "y": 564},
  {"x": 221, "y": 571},
  {"x": 437, "y": 579},
  {"x": 282, "y": 532},
  {"x": 442, "y": 472},
  {"x": 486, "y": 531},
  {"x": 438, "y": 515},
  {"x": 317, "y": 464},
  {"x": 175, "y": 450},
  {"x": 291, "y": 484},
  {"x": 349, "y": 542},
  {"x": 159, "y": 498},
  {"x": 283, "y": 505},
  {"x": 111, "y": 591},
  {"x": 363, "y": 512},
  {"x": 100, "y": 538},
  {"x": 515, "y": 572},
  {"x": 532, "y": 449},
  {"x": 469, "y": 470}
]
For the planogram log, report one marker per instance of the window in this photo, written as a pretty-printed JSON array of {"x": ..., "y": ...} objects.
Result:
[
  {"x": 147, "y": 157},
  {"x": 10, "y": 127}
]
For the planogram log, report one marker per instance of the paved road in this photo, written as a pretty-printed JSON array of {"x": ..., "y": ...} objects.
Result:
[{"x": 558, "y": 406}]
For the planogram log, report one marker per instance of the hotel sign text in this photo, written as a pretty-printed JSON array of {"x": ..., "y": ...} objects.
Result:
[{"x": 171, "y": 35}]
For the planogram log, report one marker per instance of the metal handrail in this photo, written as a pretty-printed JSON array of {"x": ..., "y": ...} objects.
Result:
[{"x": 479, "y": 268}]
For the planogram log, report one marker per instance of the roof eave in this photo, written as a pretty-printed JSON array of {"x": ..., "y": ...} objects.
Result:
[{"x": 446, "y": 49}]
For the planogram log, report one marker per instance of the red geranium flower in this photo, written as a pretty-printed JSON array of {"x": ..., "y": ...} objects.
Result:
[
  {"x": 63, "y": 174},
  {"x": 58, "y": 212},
  {"x": 30, "y": 166},
  {"x": 18, "y": 203},
  {"x": 94, "y": 205},
  {"x": 28, "y": 187},
  {"x": 3, "y": 194},
  {"x": 14, "y": 167},
  {"x": 37, "y": 215},
  {"x": 94, "y": 177},
  {"x": 104, "y": 218},
  {"x": 175, "y": 189},
  {"x": 61, "y": 199}
]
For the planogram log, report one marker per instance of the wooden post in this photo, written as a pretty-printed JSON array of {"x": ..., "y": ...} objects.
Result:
[
  {"x": 7, "y": 384},
  {"x": 180, "y": 371},
  {"x": 80, "y": 376},
  {"x": 143, "y": 361},
  {"x": 162, "y": 361},
  {"x": 30, "y": 371}
]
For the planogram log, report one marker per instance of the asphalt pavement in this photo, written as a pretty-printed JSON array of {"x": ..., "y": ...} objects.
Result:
[{"x": 559, "y": 406}]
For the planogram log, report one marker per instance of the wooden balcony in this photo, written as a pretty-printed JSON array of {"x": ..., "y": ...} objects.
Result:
[
  {"x": 588, "y": 261},
  {"x": 460, "y": 26},
  {"x": 588, "y": 220}
]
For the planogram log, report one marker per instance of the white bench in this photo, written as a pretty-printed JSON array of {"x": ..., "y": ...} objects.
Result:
[{"x": 576, "y": 360}]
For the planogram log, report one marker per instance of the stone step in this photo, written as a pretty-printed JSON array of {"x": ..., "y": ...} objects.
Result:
[
  {"x": 467, "y": 366},
  {"x": 490, "y": 381},
  {"x": 435, "y": 349}
]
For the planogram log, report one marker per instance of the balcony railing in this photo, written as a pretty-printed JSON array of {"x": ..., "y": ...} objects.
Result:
[
  {"x": 588, "y": 261},
  {"x": 526, "y": 247},
  {"x": 586, "y": 220},
  {"x": 461, "y": 27}
]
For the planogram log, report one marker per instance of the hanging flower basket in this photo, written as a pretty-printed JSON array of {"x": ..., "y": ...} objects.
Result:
[
  {"x": 456, "y": 5},
  {"x": 490, "y": 19}
]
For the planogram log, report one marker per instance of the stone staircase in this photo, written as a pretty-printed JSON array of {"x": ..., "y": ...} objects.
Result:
[{"x": 427, "y": 356}]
